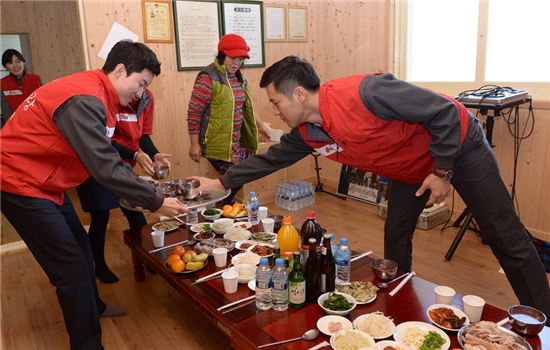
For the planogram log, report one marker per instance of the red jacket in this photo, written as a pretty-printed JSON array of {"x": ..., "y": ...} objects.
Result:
[
  {"x": 134, "y": 121},
  {"x": 37, "y": 160},
  {"x": 16, "y": 92},
  {"x": 395, "y": 149}
]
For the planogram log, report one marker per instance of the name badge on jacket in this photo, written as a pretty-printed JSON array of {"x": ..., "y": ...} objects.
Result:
[
  {"x": 329, "y": 149},
  {"x": 12, "y": 92},
  {"x": 126, "y": 117}
]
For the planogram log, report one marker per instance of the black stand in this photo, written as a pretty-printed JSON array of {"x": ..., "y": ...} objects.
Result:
[
  {"x": 466, "y": 215},
  {"x": 319, "y": 186}
]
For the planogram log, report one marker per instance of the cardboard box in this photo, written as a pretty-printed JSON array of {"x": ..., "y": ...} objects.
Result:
[{"x": 430, "y": 217}]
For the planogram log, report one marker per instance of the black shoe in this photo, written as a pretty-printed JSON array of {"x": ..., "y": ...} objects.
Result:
[{"x": 105, "y": 275}]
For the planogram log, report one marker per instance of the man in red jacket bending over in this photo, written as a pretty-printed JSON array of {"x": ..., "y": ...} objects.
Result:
[
  {"x": 422, "y": 141},
  {"x": 56, "y": 139}
]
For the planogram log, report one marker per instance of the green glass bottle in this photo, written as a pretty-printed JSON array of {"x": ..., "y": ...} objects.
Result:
[{"x": 296, "y": 284}]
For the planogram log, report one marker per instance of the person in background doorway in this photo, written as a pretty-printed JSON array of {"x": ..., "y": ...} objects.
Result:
[
  {"x": 52, "y": 143},
  {"x": 132, "y": 139},
  {"x": 19, "y": 84},
  {"x": 422, "y": 141},
  {"x": 221, "y": 122}
]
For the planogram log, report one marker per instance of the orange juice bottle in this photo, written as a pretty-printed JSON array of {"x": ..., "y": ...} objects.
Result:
[{"x": 288, "y": 237}]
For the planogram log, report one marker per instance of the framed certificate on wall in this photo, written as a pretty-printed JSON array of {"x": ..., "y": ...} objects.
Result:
[
  {"x": 157, "y": 21},
  {"x": 198, "y": 29},
  {"x": 275, "y": 22},
  {"x": 297, "y": 23},
  {"x": 245, "y": 18}
]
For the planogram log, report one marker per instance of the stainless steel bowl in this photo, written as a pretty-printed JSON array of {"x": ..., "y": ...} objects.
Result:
[
  {"x": 189, "y": 189},
  {"x": 160, "y": 171},
  {"x": 526, "y": 320},
  {"x": 384, "y": 269}
]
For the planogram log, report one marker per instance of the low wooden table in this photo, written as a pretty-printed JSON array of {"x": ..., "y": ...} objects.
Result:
[{"x": 249, "y": 327}]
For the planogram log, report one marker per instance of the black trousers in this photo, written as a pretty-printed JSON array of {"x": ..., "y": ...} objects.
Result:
[
  {"x": 477, "y": 179},
  {"x": 60, "y": 244}
]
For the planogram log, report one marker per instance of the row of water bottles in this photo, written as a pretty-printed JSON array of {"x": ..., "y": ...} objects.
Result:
[
  {"x": 295, "y": 195},
  {"x": 272, "y": 285}
]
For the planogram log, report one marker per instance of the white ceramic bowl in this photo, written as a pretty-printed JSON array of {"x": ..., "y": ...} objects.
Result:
[
  {"x": 212, "y": 217},
  {"x": 221, "y": 226},
  {"x": 246, "y": 258},
  {"x": 348, "y": 297},
  {"x": 246, "y": 272}
]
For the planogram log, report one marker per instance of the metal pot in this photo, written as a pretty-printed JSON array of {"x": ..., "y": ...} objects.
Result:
[{"x": 526, "y": 320}]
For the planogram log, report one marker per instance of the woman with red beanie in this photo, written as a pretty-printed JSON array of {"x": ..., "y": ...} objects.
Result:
[{"x": 221, "y": 122}]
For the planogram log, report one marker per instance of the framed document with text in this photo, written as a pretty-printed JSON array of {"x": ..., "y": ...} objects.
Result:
[
  {"x": 157, "y": 21},
  {"x": 198, "y": 29},
  {"x": 297, "y": 23},
  {"x": 275, "y": 22},
  {"x": 245, "y": 18}
]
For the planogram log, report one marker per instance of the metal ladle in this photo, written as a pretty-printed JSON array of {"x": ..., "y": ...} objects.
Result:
[
  {"x": 309, "y": 335},
  {"x": 384, "y": 285}
]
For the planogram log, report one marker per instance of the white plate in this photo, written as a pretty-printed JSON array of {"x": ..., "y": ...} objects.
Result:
[
  {"x": 382, "y": 344},
  {"x": 264, "y": 245},
  {"x": 343, "y": 333},
  {"x": 252, "y": 284},
  {"x": 199, "y": 227},
  {"x": 228, "y": 235},
  {"x": 457, "y": 312},
  {"x": 423, "y": 326},
  {"x": 380, "y": 318},
  {"x": 244, "y": 224},
  {"x": 239, "y": 243},
  {"x": 323, "y": 323},
  {"x": 167, "y": 225}
]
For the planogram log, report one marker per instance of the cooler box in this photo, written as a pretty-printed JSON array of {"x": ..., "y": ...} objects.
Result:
[{"x": 430, "y": 217}]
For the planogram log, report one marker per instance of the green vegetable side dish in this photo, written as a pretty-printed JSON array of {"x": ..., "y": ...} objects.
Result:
[
  {"x": 210, "y": 211},
  {"x": 337, "y": 302},
  {"x": 433, "y": 341}
]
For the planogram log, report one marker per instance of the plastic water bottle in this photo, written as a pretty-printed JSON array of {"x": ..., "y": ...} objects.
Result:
[
  {"x": 342, "y": 259},
  {"x": 333, "y": 246},
  {"x": 263, "y": 285},
  {"x": 279, "y": 282},
  {"x": 253, "y": 206},
  {"x": 192, "y": 216}
]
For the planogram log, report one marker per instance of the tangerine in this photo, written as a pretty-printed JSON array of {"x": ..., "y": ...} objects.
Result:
[
  {"x": 178, "y": 250},
  {"x": 172, "y": 259},
  {"x": 178, "y": 266},
  {"x": 227, "y": 209}
]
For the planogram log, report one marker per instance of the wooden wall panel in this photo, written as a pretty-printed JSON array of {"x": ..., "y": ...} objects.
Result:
[
  {"x": 55, "y": 35},
  {"x": 338, "y": 45}
]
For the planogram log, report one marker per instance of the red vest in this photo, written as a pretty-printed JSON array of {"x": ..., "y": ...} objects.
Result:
[
  {"x": 17, "y": 93},
  {"x": 132, "y": 123},
  {"x": 395, "y": 149},
  {"x": 37, "y": 161}
]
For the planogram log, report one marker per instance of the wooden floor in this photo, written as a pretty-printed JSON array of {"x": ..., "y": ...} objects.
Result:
[{"x": 159, "y": 318}]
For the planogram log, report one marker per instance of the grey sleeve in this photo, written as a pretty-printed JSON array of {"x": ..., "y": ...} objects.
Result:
[
  {"x": 81, "y": 120},
  {"x": 291, "y": 149},
  {"x": 392, "y": 99},
  {"x": 5, "y": 109}
]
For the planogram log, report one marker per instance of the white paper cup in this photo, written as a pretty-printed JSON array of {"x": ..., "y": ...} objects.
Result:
[
  {"x": 158, "y": 238},
  {"x": 220, "y": 256},
  {"x": 444, "y": 295},
  {"x": 230, "y": 281},
  {"x": 268, "y": 224},
  {"x": 262, "y": 213},
  {"x": 473, "y": 307}
]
